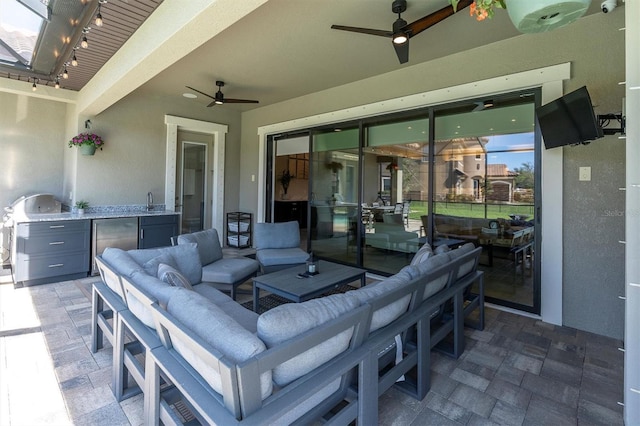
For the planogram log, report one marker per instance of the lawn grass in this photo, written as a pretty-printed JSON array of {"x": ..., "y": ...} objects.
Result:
[{"x": 477, "y": 210}]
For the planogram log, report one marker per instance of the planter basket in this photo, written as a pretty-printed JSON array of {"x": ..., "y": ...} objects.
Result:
[
  {"x": 534, "y": 16},
  {"x": 87, "y": 149}
]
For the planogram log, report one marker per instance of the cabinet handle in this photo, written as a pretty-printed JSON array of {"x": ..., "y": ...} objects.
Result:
[
  {"x": 56, "y": 265},
  {"x": 56, "y": 226},
  {"x": 56, "y": 243}
]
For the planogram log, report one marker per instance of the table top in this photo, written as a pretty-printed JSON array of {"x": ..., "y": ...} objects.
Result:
[{"x": 287, "y": 281}]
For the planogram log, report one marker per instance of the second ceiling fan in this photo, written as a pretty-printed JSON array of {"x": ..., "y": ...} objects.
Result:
[
  {"x": 219, "y": 99},
  {"x": 401, "y": 31}
]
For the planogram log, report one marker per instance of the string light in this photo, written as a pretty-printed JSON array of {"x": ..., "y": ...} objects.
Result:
[
  {"x": 74, "y": 60},
  {"x": 57, "y": 85},
  {"x": 98, "y": 20},
  {"x": 34, "y": 87},
  {"x": 65, "y": 73},
  {"x": 84, "y": 43}
]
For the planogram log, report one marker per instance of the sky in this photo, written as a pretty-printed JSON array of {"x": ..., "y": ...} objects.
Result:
[{"x": 514, "y": 141}]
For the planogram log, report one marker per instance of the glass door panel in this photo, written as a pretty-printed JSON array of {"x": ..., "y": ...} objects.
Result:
[
  {"x": 193, "y": 186},
  {"x": 333, "y": 203},
  {"x": 484, "y": 191},
  {"x": 395, "y": 188}
]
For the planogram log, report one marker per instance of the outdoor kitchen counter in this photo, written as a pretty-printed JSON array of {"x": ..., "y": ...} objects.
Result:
[{"x": 48, "y": 217}]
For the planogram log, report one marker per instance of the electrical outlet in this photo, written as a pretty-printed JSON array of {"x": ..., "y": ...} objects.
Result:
[{"x": 584, "y": 174}]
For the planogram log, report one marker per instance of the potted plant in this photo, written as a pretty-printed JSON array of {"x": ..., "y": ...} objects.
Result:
[
  {"x": 285, "y": 179},
  {"x": 87, "y": 142},
  {"x": 81, "y": 205}
]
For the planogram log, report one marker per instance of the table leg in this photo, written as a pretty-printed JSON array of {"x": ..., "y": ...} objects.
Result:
[{"x": 256, "y": 297}]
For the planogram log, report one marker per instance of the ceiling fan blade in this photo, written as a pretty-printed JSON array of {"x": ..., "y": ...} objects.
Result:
[
  {"x": 213, "y": 103},
  {"x": 239, "y": 101},
  {"x": 369, "y": 31},
  {"x": 402, "y": 50},
  {"x": 202, "y": 93},
  {"x": 430, "y": 20}
]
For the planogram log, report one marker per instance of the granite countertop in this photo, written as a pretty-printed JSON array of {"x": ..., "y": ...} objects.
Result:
[{"x": 48, "y": 217}]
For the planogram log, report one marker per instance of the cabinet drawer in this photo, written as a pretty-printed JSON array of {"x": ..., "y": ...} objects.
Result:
[
  {"x": 27, "y": 230},
  {"x": 168, "y": 219},
  {"x": 54, "y": 243},
  {"x": 32, "y": 267}
]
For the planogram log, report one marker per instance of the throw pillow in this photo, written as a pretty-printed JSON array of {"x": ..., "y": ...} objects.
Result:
[
  {"x": 151, "y": 265},
  {"x": 442, "y": 249},
  {"x": 422, "y": 254},
  {"x": 173, "y": 277}
]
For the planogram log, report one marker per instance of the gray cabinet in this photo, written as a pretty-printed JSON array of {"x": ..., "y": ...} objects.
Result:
[
  {"x": 51, "y": 251},
  {"x": 156, "y": 231}
]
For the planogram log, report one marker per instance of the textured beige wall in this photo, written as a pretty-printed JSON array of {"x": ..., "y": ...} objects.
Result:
[
  {"x": 32, "y": 144},
  {"x": 133, "y": 160}
]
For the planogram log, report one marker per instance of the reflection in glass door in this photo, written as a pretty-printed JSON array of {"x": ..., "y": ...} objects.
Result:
[
  {"x": 192, "y": 190},
  {"x": 484, "y": 192},
  {"x": 333, "y": 203}
]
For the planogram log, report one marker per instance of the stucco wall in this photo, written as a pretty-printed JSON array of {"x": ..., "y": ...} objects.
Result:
[{"x": 594, "y": 46}]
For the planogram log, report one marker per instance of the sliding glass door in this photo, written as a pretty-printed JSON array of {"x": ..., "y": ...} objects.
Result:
[{"x": 381, "y": 188}]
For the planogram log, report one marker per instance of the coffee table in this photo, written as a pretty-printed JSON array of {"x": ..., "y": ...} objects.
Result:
[{"x": 285, "y": 283}]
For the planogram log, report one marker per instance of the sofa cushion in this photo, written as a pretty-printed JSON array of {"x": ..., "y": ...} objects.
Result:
[
  {"x": 388, "y": 313},
  {"x": 121, "y": 261},
  {"x": 467, "y": 266},
  {"x": 171, "y": 276},
  {"x": 186, "y": 257},
  {"x": 154, "y": 287},
  {"x": 246, "y": 318},
  {"x": 422, "y": 254},
  {"x": 443, "y": 248},
  {"x": 289, "y": 256},
  {"x": 229, "y": 270},
  {"x": 219, "y": 331},
  {"x": 208, "y": 245},
  {"x": 151, "y": 265},
  {"x": 277, "y": 235},
  {"x": 438, "y": 283},
  {"x": 292, "y": 319}
]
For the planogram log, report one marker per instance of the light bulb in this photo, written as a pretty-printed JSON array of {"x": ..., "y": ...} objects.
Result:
[
  {"x": 85, "y": 43},
  {"x": 65, "y": 74},
  {"x": 99, "y": 19},
  {"x": 74, "y": 60},
  {"x": 34, "y": 87},
  {"x": 57, "y": 85},
  {"x": 400, "y": 38}
]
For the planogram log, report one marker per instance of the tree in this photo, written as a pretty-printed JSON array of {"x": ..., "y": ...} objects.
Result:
[{"x": 525, "y": 178}]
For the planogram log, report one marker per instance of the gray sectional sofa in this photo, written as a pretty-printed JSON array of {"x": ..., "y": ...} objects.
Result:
[{"x": 291, "y": 364}]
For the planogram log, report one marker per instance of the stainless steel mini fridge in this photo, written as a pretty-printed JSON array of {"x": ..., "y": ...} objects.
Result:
[{"x": 118, "y": 232}]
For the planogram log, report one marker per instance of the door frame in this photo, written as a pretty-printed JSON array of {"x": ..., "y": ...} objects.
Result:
[{"x": 218, "y": 131}]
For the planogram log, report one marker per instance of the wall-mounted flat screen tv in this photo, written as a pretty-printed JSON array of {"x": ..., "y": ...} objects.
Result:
[{"x": 568, "y": 120}]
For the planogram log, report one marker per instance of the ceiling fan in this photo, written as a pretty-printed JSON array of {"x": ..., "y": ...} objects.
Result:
[
  {"x": 219, "y": 99},
  {"x": 402, "y": 32}
]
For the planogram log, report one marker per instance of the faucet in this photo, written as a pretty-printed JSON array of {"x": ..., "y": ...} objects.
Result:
[{"x": 149, "y": 201}]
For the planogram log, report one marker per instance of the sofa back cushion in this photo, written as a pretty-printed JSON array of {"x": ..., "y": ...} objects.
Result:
[
  {"x": 388, "y": 313},
  {"x": 154, "y": 288},
  {"x": 121, "y": 263},
  {"x": 287, "y": 321},
  {"x": 186, "y": 257},
  {"x": 277, "y": 235},
  {"x": 208, "y": 244},
  {"x": 219, "y": 331},
  {"x": 437, "y": 283},
  {"x": 460, "y": 251}
]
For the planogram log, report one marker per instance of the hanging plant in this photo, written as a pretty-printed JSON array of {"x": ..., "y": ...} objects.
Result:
[
  {"x": 86, "y": 139},
  {"x": 482, "y": 9}
]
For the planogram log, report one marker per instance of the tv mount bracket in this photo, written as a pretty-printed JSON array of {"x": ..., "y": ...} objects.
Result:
[{"x": 605, "y": 119}]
